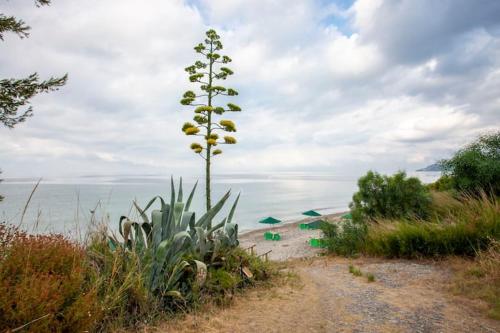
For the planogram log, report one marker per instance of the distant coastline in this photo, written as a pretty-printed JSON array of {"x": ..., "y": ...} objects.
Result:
[{"x": 433, "y": 167}]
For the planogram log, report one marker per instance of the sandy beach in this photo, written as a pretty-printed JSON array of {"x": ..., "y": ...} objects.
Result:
[{"x": 294, "y": 242}]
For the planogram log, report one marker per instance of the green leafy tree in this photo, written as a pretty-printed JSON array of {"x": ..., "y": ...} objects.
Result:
[
  {"x": 15, "y": 94},
  {"x": 396, "y": 196},
  {"x": 476, "y": 167},
  {"x": 206, "y": 74}
]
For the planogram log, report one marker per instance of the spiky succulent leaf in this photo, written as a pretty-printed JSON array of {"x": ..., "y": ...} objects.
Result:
[
  {"x": 206, "y": 219},
  {"x": 190, "y": 198},
  {"x": 233, "y": 208}
]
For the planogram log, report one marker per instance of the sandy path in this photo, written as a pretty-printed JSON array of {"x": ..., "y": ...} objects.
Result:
[{"x": 406, "y": 297}]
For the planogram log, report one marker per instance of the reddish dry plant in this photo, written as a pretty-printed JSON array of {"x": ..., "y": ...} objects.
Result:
[{"x": 48, "y": 277}]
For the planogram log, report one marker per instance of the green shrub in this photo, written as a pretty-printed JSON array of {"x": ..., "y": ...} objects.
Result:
[
  {"x": 348, "y": 239},
  {"x": 476, "y": 167},
  {"x": 45, "y": 277},
  {"x": 465, "y": 230},
  {"x": 444, "y": 183},
  {"x": 390, "y": 197}
]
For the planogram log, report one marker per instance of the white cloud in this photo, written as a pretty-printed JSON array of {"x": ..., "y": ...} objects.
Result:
[{"x": 381, "y": 84}]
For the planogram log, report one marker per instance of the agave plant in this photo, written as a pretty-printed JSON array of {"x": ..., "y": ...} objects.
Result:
[{"x": 172, "y": 233}]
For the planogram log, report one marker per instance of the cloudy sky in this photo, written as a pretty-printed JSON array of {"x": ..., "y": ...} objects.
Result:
[{"x": 326, "y": 86}]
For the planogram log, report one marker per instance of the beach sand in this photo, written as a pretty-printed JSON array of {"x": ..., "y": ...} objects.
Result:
[{"x": 294, "y": 242}]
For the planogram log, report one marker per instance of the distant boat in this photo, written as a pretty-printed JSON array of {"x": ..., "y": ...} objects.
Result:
[{"x": 433, "y": 167}]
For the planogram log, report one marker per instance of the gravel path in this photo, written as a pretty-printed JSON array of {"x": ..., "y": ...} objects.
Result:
[{"x": 406, "y": 296}]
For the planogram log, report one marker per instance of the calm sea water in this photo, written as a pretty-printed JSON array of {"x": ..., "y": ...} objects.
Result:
[{"x": 65, "y": 205}]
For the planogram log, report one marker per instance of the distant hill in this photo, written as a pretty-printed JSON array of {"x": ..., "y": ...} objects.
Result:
[{"x": 432, "y": 167}]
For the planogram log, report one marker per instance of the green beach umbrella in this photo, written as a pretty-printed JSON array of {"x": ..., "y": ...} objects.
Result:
[
  {"x": 269, "y": 220},
  {"x": 347, "y": 216},
  {"x": 312, "y": 213},
  {"x": 316, "y": 224}
]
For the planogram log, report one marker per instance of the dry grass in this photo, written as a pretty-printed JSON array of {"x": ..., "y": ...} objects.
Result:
[{"x": 480, "y": 279}]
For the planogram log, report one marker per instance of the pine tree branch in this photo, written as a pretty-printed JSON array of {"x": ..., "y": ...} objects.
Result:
[{"x": 16, "y": 93}]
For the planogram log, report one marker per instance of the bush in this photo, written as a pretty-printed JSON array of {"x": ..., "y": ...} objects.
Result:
[
  {"x": 390, "y": 197},
  {"x": 444, "y": 183},
  {"x": 46, "y": 280},
  {"x": 476, "y": 167},
  {"x": 464, "y": 230},
  {"x": 348, "y": 240}
]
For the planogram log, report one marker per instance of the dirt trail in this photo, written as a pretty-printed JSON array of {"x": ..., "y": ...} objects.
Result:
[{"x": 405, "y": 297}]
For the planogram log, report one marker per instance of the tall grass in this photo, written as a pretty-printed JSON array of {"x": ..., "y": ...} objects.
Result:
[
  {"x": 459, "y": 227},
  {"x": 481, "y": 279},
  {"x": 121, "y": 285}
]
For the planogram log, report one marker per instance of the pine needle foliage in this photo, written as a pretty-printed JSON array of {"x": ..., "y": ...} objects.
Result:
[{"x": 15, "y": 94}]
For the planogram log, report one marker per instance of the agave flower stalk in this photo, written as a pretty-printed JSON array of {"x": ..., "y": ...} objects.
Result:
[{"x": 205, "y": 73}]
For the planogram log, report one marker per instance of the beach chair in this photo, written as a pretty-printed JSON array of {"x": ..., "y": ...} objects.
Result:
[
  {"x": 276, "y": 237},
  {"x": 268, "y": 235}
]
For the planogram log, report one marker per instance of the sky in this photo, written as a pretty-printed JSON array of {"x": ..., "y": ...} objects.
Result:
[{"x": 325, "y": 86}]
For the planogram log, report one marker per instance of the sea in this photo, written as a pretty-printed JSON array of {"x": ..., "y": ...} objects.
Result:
[{"x": 70, "y": 205}]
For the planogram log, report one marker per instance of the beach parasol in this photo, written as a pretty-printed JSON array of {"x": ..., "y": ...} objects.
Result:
[
  {"x": 311, "y": 213},
  {"x": 347, "y": 216},
  {"x": 269, "y": 220}
]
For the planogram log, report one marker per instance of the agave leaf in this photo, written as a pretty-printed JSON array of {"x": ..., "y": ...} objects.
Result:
[
  {"x": 140, "y": 242},
  {"x": 168, "y": 222},
  {"x": 158, "y": 262},
  {"x": 206, "y": 219},
  {"x": 233, "y": 208},
  {"x": 141, "y": 212},
  {"x": 120, "y": 226},
  {"x": 231, "y": 232},
  {"x": 218, "y": 226},
  {"x": 177, "y": 217},
  {"x": 152, "y": 201},
  {"x": 156, "y": 217},
  {"x": 179, "y": 196},
  {"x": 165, "y": 221},
  {"x": 190, "y": 198},
  {"x": 176, "y": 274},
  {"x": 201, "y": 272},
  {"x": 200, "y": 243},
  {"x": 148, "y": 232},
  {"x": 187, "y": 220}
]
